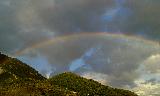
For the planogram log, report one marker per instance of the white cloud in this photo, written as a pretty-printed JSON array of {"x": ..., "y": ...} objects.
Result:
[
  {"x": 146, "y": 89},
  {"x": 100, "y": 77},
  {"x": 152, "y": 63}
]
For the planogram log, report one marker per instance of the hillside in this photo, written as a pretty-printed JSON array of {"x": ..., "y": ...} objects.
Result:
[
  {"x": 12, "y": 69},
  {"x": 86, "y": 87},
  {"x": 19, "y": 79}
]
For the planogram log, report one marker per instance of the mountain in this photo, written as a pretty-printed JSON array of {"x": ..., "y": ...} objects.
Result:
[
  {"x": 12, "y": 69},
  {"x": 19, "y": 79},
  {"x": 85, "y": 87}
]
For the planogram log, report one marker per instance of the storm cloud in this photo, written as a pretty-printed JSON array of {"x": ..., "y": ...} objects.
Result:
[
  {"x": 72, "y": 16},
  {"x": 21, "y": 19},
  {"x": 117, "y": 57},
  {"x": 117, "y": 60}
]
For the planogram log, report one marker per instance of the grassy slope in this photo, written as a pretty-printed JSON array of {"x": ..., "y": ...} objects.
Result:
[
  {"x": 13, "y": 69},
  {"x": 19, "y": 79},
  {"x": 86, "y": 87}
]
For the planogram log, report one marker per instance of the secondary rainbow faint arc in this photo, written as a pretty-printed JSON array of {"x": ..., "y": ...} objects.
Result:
[{"x": 68, "y": 37}]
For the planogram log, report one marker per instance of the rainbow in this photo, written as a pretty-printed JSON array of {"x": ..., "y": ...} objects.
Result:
[{"x": 69, "y": 37}]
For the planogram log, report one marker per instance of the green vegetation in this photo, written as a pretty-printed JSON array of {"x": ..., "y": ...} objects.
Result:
[
  {"x": 19, "y": 79},
  {"x": 86, "y": 87},
  {"x": 13, "y": 69}
]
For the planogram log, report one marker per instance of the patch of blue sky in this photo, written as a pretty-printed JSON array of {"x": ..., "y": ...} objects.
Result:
[
  {"x": 109, "y": 15},
  {"x": 124, "y": 13},
  {"x": 121, "y": 13},
  {"x": 76, "y": 64},
  {"x": 80, "y": 62},
  {"x": 89, "y": 52},
  {"x": 40, "y": 63}
]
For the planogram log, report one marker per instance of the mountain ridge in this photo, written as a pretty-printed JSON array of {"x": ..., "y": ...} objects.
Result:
[{"x": 19, "y": 79}]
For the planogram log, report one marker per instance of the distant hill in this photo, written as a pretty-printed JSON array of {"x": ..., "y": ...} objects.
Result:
[
  {"x": 12, "y": 69},
  {"x": 19, "y": 79},
  {"x": 87, "y": 87}
]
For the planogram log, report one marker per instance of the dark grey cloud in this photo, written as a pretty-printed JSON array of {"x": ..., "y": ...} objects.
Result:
[
  {"x": 119, "y": 57},
  {"x": 114, "y": 60},
  {"x": 152, "y": 81},
  {"x": 21, "y": 19},
  {"x": 25, "y": 23},
  {"x": 145, "y": 17},
  {"x": 76, "y": 15},
  {"x": 71, "y": 16},
  {"x": 8, "y": 35},
  {"x": 13, "y": 35}
]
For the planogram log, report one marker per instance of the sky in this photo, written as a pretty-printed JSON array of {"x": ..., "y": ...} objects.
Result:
[{"x": 115, "y": 42}]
